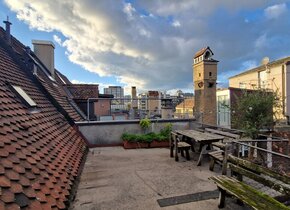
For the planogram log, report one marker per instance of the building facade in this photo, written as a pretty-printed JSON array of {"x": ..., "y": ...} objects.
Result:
[
  {"x": 116, "y": 91},
  {"x": 273, "y": 76},
  {"x": 204, "y": 77}
]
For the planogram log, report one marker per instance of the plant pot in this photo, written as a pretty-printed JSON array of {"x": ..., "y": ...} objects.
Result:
[
  {"x": 158, "y": 144},
  {"x": 134, "y": 145}
]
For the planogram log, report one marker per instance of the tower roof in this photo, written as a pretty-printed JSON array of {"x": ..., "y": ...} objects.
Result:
[{"x": 202, "y": 51}]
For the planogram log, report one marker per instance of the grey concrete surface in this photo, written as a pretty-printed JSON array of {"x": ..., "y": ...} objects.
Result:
[{"x": 114, "y": 178}]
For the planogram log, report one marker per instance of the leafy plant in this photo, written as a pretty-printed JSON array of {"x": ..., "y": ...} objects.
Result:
[
  {"x": 166, "y": 130},
  {"x": 256, "y": 110},
  {"x": 145, "y": 124}
]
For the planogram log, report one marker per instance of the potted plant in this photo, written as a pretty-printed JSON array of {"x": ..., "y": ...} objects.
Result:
[{"x": 145, "y": 124}]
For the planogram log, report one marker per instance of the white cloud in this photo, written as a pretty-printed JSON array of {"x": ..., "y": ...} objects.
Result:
[
  {"x": 136, "y": 43},
  {"x": 57, "y": 39},
  {"x": 275, "y": 11},
  {"x": 129, "y": 10},
  {"x": 261, "y": 41},
  {"x": 176, "y": 23}
]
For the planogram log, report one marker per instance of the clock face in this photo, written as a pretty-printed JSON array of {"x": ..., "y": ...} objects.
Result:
[{"x": 200, "y": 84}]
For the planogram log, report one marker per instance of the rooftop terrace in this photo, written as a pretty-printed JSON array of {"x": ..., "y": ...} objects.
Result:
[{"x": 114, "y": 178}]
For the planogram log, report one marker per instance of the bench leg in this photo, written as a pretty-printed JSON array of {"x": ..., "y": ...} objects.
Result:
[
  {"x": 222, "y": 198},
  {"x": 187, "y": 154},
  {"x": 171, "y": 151},
  {"x": 182, "y": 152},
  {"x": 211, "y": 164}
]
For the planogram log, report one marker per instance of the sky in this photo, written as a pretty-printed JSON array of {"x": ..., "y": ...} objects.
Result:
[{"x": 150, "y": 44}]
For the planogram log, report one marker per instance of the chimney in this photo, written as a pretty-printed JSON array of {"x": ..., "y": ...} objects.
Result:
[
  {"x": 44, "y": 50},
  {"x": 134, "y": 98},
  {"x": 133, "y": 92},
  {"x": 7, "y": 29}
]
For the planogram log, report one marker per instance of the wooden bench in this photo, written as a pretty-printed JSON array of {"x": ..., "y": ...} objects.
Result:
[
  {"x": 247, "y": 193},
  {"x": 217, "y": 156},
  {"x": 179, "y": 146}
]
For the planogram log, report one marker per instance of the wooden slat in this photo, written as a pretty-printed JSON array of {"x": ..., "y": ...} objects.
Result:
[
  {"x": 219, "y": 145},
  {"x": 199, "y": 136},
  {"x": 267, "y": 182},
  {"x": 183, "y": 144},
  {"x": 258, "y": 169},
  {"x": 247, "y": 194},
  {"x": 223, "y": 133}
]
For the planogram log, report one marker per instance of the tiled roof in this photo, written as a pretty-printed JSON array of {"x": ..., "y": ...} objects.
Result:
[
  {"x": 40, "y": 150},
  {"x": 201, "y": 52},
  {"x": 83, "y": 91}
]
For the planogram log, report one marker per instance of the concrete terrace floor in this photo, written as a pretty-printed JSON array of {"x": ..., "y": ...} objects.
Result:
[{"x": 115, "y": 178}]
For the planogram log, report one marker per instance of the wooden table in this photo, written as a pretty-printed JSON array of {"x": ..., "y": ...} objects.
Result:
[{"x": 204, "y": 139}]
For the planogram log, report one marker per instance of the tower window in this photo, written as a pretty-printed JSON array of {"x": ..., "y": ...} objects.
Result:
[
  {"x": 26, "y": 98},
  {"x": 210, "y": 73},
  {"x": 199, "y": 74}
]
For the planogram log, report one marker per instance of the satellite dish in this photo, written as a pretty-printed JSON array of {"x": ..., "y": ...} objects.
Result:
[{"x": 265, "y": 61}]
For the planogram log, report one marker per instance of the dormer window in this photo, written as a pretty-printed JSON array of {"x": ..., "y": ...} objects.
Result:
[{"x": 24, "y": 96}]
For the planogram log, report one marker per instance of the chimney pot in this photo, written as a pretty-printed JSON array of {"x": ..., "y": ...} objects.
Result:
[{"x": 7, "y": 29}]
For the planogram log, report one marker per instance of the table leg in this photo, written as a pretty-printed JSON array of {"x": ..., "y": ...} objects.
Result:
[
  {"x": 171, "y": 146},
  {"x": 176, "y": 149},
  {"x": 201, "y": 154}
]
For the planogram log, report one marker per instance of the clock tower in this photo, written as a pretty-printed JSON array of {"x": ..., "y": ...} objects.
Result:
[{"x": 204, "y": 77}]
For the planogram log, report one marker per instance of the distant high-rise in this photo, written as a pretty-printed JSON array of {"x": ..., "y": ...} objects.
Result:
[{"x": 116, "y": 91}]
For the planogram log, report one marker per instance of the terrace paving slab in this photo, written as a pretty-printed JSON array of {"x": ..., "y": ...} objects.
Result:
[{"x": 115, "y": 178}]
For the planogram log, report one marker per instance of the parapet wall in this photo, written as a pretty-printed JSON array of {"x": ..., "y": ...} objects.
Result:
[{"x": 108, "y": 133}]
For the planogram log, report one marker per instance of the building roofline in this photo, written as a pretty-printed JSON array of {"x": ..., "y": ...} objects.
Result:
[{"x": 285, "y": 60}]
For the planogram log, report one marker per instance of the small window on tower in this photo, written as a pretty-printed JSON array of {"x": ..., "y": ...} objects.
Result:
[
  {"x": 199, "y": 74},
  {"x": 210, "y": 74}
]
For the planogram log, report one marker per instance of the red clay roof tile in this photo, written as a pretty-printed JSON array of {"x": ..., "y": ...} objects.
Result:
[
  {"x": 16, "y": 188},
  {"x": 12, "y": 175},
  {"x": 42, "y": 150},
  {"x": 7, "y": 196},
  {"x": 4, "y": 181},
  {"x": 40, "y": 196}
]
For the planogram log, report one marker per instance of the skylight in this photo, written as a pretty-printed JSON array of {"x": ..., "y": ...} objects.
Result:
[{"x": 24, "y": 96}]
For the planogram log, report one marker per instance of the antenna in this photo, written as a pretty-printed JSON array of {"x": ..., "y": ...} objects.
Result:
[{"x": 265, "y": 61}]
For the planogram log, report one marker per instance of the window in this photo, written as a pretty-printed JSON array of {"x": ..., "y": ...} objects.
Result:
[
  {"x": 24, "y": 96},
  {"x": 199, "y": 74},
  {"x": 210, "y": 73}
]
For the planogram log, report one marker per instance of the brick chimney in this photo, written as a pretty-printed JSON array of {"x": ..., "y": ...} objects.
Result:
[
  {"x": 44, "y": 50},
  {"x": 7, "y": 29}
]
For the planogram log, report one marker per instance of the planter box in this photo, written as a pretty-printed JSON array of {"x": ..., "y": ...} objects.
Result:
[
  {"x": 158, "y": 144},
  {"x": 134, "y": 145}
]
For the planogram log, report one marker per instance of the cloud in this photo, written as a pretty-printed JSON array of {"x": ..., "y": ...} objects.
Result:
[
  {"x": 176, "y": 23},
  {"x": 150, "y": 45},
  {"x": 57, "y": 39},
  {"x": 275, "y": 11}
]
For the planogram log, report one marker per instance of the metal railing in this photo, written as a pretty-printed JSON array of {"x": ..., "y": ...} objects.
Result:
[{"x": 104, "y": 109}]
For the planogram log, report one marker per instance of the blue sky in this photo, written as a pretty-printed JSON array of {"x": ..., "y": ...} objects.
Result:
[{"x": 150, "y": 44}]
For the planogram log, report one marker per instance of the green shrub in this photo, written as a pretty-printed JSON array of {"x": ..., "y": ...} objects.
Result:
[
  {"x": 145, "y": 124},
  {"x": 166, "y": 130}
]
